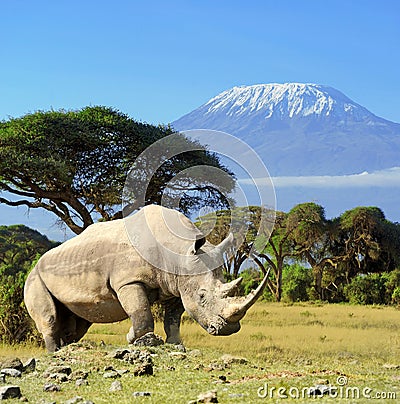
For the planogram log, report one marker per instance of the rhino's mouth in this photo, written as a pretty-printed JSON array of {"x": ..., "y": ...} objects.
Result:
[{"x": 219, "y": 326}]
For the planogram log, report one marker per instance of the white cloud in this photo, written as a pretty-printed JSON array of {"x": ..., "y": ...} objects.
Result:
[{"x": 384, "y": 178}]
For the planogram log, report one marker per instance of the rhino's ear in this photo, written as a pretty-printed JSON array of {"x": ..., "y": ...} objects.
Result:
[{"x": 196, "y": 246}]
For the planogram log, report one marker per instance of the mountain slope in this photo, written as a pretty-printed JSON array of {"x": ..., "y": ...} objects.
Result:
[{"x": 301, "y": 129}]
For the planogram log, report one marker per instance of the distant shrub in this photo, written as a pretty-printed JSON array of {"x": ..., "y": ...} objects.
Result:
[
  {"x": 368, "y": 289},
  {"x": 296, "y": 283},
  {"x": 20, "y": 249},
  {"x": 251, "y": 279},
  {"x": 396, "y": 296}
]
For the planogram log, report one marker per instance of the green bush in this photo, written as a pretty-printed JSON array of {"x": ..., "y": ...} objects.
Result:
[
  {"x": 296, "y": 283},
  {"x": 20, "y": 248},
  {"x": 396, "y": 296},
  {"x": 368, "y": 289}
]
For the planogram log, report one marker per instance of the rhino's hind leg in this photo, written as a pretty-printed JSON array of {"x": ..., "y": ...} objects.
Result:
[
  {"x": 42, "y": 308},
  {"x": 134, "y": 301},
  {"x": 73, "y": 328},
  {"x": 172, "y": 320}
]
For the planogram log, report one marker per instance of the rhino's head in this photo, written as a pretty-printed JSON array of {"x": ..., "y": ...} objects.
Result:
[{"x": 207, "y": 299}]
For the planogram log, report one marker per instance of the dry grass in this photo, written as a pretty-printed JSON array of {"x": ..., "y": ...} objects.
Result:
[
  {"x": 287, "y": 346},
  {"x": 271, "y": 329}
]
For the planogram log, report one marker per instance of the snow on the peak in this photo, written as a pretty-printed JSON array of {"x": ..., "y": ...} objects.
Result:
[{"x": 284, "y": 100}]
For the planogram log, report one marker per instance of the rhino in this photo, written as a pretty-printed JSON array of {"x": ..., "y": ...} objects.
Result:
[{"x": 108, "y": 273}]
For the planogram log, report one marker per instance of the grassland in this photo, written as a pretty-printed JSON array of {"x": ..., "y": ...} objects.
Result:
[{"x": 289, "y": 347}]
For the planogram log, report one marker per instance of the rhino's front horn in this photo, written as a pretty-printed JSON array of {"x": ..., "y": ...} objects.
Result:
[{"x": 238, "y": 307}]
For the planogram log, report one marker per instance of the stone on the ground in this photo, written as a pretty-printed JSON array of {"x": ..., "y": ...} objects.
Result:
[
  {"x": 196, "y": 353},
  {"x": 149, "y": 339},
  {"x": 390, "y": 366},
  {"x": 229, "y": 359},
  {"x": 79, "y": 374},
  {"x": 11, "y": 372},
  {"x": 51, "y": 387},
  {"x": 7, "y": 392},
  {"x": 57, "y": 369},
  {"x": 178, "y": 355},
  {"x": 141, "y": 394},
  {"x": 78, "y": 399},
  {"x": 81, "y": 382},
  {"x": 115, "y": 386},
  {"x": 119, "y": 353},
  {"x": 12, "y": 363},
  {"x": 59, "y": 377},
  {"x": 29, "y": 366},
  {"x": 208, "y": 397},
  {"x": 112, "y": 374}
]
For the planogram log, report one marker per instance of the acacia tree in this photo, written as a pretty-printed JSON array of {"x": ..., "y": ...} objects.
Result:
[
  {"x": 74, "y": 164},
  {"x": 311, "y": 237},
  {"x": 366, "y": 242}
]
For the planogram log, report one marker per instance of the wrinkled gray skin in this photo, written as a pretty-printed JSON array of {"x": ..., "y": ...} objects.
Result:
[{"x": 99, "y": 277}]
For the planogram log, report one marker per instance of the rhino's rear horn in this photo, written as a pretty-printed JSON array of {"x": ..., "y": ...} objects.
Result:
[
  {"x": 225, "y": 244},
  {"x": 238, "y": 308},
  {"x": 230, "y": 289}
]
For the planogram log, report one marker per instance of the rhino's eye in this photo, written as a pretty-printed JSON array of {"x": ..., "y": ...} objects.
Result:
[{"x": 202, "y": 294}]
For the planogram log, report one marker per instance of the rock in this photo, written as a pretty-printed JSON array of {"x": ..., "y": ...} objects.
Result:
[
  {"x": 76, "y": 400},
  {"x": 229, "y": 359},
  {"x": 59, "y": 377},
  {"x": 51, "y": 387},
  {"x": 119, "y": 353},
  {"x": 11, "y": 372},
  {"x": 13, "y": 363},
  {"x": 122, "y": 371},
  {"x": 2, "y": 378},
  {"x": 81, "y": 382},
  {"x": 57, "y": 369},
  {"x": 208, "y": 397},
  {"x": 29, "y": 366},
  {"x": 111, "y": 375},
  {"x": 195, "y": 353},
  {"x": 79, "y": 374},
  {"x": 144, "y": 369},
  {"x": 141, "y": 394},
  {"x": 115, "y": 386},
  {"x": 7, "y": 392},
  {"x": 236, "y": 395},
  {"x": 149, "y": 339},
  {"x": 178, "y": 355},
  {"x": 390, "y": 366}
]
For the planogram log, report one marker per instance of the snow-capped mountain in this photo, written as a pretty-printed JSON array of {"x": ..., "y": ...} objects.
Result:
[
  {"x": 277, "y": 101},
  {"x": 301, "y": 129}
]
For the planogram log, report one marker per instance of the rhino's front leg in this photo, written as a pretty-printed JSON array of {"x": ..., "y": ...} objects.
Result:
[
  {"x": 172, "y": 320},
  {"x": 135, "y": 302}
]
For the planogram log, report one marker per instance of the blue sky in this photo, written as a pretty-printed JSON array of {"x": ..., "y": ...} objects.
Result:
[{"x": 157, "y": 60}]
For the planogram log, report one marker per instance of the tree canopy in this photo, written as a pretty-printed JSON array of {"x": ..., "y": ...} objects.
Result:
[
  {"x": 74, "y": 164},
  {"x": 361, "y": 241}
]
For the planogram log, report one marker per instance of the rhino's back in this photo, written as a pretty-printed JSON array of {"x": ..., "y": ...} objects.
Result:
[{"x": 79, "y": 273}]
